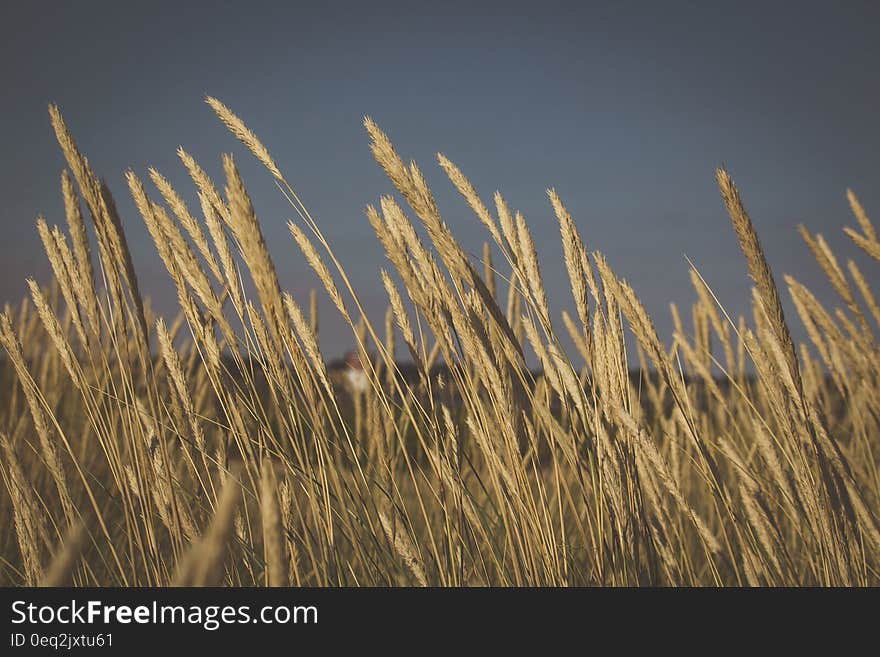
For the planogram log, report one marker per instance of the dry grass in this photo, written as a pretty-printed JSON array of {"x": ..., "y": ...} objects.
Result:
[{"x": 216, "y": 447}]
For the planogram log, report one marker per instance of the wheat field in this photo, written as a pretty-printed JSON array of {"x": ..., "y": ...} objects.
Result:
[{"x": 218, "y": 447}]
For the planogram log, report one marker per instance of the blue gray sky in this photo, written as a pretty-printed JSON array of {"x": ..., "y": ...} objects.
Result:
[{"x": 626, "y": 108}]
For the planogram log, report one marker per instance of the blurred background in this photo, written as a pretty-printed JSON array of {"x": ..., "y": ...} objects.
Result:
[{"x": 625, "y": 108}]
